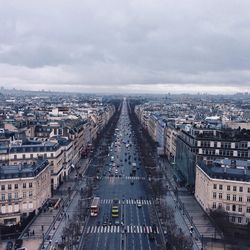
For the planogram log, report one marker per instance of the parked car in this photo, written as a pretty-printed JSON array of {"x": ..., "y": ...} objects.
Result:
[
  {"x": 151, "y": 236},
  {"x": 18, "y": 243},
  {"x": 9, "y": 245}
]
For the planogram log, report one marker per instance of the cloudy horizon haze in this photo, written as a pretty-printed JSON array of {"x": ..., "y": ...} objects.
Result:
[{"x": 133, "y": 46}]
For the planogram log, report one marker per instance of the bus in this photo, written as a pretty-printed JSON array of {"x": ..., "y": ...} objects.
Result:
[
  {"x": 115, "y": 208},
  {"x": 95, "y": 206}
]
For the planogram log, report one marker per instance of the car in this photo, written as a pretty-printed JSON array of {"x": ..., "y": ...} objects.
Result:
[
  {"x": 132, "y": 183},
  {"x": 117, "y": 222},
  {"x": 151, "y": 236},
  {"x": 9, "y": 245},
  {"x": 18, "y": 243},
  {"x": 154, "y": 228},
  {"x": 139, "y": 204}
]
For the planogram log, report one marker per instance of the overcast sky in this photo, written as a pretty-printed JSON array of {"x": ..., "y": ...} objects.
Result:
[{"x": 147, "y": 46}]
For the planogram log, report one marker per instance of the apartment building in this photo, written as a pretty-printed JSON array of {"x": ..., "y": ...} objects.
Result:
[
  {"x": 30, "y": 152},
  {"x": 197, "y": 143},
  {"x": 24, "y": 188},
  {"x": 225, "y": 185},
  {"x": 170, "y": 142}
]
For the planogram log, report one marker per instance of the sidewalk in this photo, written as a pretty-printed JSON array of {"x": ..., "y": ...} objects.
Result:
[
  {"x": 181, "y": 221},
  {"x": 187, "y": 206},
  {"x": 43, "y": 221}
]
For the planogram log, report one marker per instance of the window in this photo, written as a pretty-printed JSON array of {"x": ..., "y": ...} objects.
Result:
[
  {"x": 234, "y": 208},
  {"x": 228, "y": 208},
  {"x": 51, "y": 155},
  {"x": 228, "y": 197},
  {"x": 31, "y": 156},
  {"x": 248, "y": 198},
  {"x": 239, "y": 219},
  {"x": 248, "y": 209},
  {"x": 228, "y": 188},
  {"x": 2, "y": 187},
  {"x": 220, "y": 205},
  {"x": 24, "y": 185},
  {"x": 240, "y": 209},
  {"x": 24, "y": 194},
  {"x": 241, "y": 189},
  {"x": 3, "y": 197},
  {"x": 16, "y": 195},
  {"x": 214, "y": 204},
  {"x": 240, "y": 198},
  {"x": 9, "y": 186},
  {"x": 9, "y": 196},
  {"x": 215, "y": 186},
  {"x": 248, "y": 190},
  {"x": 214, "y": 195},
  {"x": 233, "y": 219},
  {"x": 220, "y": 196},
  {"x": 15, "y": 157},
  {"x": 30, "y": 194},
  {"x": 220, "y": 187},
  {"x": 16, "y": 186},
  {"x": 30, "y": 185},
  {"x": 23, "y": 156},
  {"x": 234, "y": 197},
  {"x": 234, "y": 188}
]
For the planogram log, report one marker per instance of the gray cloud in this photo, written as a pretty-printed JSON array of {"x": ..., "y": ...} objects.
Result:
[{"x": 132, "y": 45}]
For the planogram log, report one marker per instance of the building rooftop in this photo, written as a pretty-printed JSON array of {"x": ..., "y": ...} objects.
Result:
[
  {"x": 22, "y": 171},
  {"x": 216, "y": 171}
]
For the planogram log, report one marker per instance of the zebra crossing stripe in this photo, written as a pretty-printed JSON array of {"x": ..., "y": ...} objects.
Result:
[
  {"x": 127, "y": 202},
  {"x": 116, "y": 229}
]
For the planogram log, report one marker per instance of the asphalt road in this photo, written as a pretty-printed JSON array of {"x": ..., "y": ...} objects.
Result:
[{"x": 135, "y": 224}]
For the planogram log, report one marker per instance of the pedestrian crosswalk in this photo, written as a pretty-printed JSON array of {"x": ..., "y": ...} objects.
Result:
[
  {"x": 122, "y": 229},
  {"x": 134, "y": 178},
  {"x": 125, "y": 177},
  {"x": 128, "y": 202}
]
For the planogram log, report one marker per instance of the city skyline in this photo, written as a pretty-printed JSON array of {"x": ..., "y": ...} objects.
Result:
[{"x": 132, "y": 47}]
